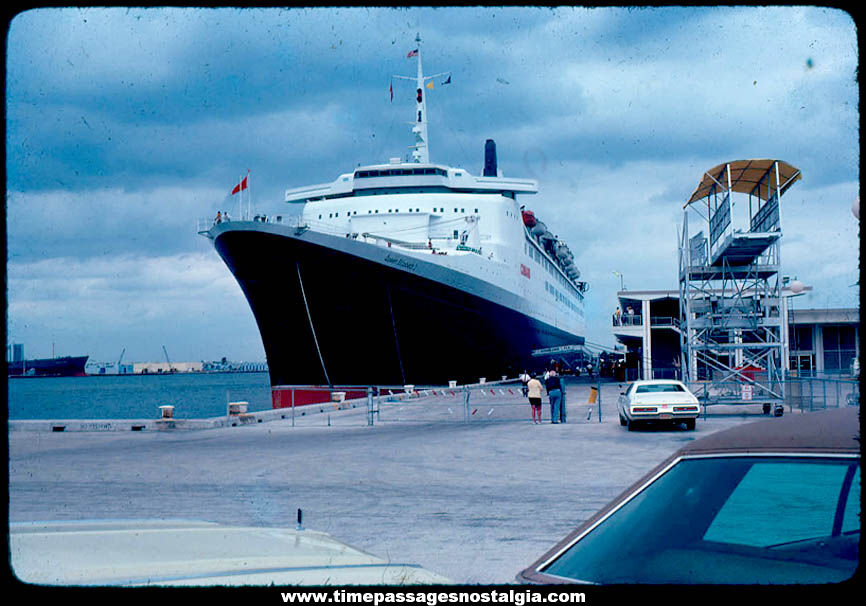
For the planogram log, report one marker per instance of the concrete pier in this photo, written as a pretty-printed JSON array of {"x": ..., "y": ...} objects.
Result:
[{"x": 473, "y": 501}]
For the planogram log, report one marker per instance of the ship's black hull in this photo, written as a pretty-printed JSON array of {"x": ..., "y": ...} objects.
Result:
[
  {"x": 48, "y": 367},
  {"x": 374, "y": 324}
]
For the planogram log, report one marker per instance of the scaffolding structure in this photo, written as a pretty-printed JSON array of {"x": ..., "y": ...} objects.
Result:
[{"x": 733, "y": 324}]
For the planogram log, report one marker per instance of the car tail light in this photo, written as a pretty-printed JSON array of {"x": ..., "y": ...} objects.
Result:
[
  {"x": 685, "y": 408},
  {"x": 644, "y": 409}
]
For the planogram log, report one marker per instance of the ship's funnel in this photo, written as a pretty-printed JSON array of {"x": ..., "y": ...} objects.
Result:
[{"x": 490, "y": 158}]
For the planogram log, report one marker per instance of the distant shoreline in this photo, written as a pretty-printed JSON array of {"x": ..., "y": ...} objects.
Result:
[{"x": 141, "y": 374}]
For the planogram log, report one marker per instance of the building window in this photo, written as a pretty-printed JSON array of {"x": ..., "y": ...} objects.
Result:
[
  {"x": 801, "y": 338},
  {"x": 839, "y": 348}
]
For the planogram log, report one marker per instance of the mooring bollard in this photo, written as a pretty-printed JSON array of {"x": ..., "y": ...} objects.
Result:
[
  {"x": 599, "y": 400},
  {"x": 237, "y": 408}
]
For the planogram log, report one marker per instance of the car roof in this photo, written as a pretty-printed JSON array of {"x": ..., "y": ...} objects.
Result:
[
  {"x": 657, "y": 382},
  {"x": 836, "y": 430}
]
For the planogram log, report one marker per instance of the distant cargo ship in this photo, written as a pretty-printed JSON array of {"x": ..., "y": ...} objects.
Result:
[{"x": 68, "y": 366}]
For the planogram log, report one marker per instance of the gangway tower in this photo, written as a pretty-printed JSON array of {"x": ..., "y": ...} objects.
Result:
[{"x": 732, "y": 316}]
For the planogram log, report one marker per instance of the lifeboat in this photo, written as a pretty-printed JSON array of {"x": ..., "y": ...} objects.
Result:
[
  {"x": 538, "y": 229},
  {"x": 528, "y": 218},
  {"x": 562, "y": 250}
]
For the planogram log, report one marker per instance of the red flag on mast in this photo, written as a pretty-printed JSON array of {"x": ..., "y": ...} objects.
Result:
[
  {"x": 240, "y": 186},
  {"x": 391, "y": 90}
]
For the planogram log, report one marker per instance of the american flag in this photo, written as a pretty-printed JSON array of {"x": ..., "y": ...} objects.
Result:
[{"x": 413, "y": 53}]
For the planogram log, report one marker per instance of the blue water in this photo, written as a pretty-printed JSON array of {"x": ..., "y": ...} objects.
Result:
[{"x": 136, "y": 396}]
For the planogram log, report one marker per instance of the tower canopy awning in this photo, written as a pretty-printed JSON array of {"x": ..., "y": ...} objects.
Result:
[{"x": 748, "y": 177}]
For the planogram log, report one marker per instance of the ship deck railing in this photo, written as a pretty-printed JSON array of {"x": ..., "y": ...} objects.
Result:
[
  {"x": 204, "y": 224},
  {"x": 436, "y": 244}
]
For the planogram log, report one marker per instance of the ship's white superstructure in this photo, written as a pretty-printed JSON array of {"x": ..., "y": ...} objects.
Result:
[{"x": 472, "y": 225}]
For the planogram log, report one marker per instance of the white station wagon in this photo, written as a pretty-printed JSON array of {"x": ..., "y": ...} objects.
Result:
[{"x": 658, "y": 401}]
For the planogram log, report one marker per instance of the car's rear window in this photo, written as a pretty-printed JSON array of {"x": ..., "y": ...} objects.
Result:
[
  {"x": 659, "y": 388},
  {"x": 729, "y": 520}
]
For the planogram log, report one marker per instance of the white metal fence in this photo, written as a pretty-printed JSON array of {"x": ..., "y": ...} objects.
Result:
[{"x": 502, "y": 401}]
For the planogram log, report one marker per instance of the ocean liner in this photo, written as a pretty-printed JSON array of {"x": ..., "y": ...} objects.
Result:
[{"x": 407, "y": 272}]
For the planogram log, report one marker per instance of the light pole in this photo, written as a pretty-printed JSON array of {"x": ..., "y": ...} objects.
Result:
[
  {"x": 796, "y": 287},
  {"x": 616, "y": 273}
]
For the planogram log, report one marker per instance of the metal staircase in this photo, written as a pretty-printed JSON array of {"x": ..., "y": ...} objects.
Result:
[{"x": 732, "y": 313}]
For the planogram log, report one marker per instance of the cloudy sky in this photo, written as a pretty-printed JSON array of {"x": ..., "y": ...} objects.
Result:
[{"x": 125, "y": 126}]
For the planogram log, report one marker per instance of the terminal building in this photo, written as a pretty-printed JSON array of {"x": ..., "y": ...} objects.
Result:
[{"x": 816, "y": 342}]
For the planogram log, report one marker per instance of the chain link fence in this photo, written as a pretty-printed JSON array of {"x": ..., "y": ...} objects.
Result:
[
  {"x": 799, "y": 393},
  {"x": 818, "y": 393}
]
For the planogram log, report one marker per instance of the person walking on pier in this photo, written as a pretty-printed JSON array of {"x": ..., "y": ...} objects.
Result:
[
  {"x": 553, "y": 384},
  {"x": 524, "y": 378},
  {"x": 534, "y": 392}
]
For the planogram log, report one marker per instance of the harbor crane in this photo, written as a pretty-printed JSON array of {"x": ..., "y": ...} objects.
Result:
[{"x": 170, "y": 368}]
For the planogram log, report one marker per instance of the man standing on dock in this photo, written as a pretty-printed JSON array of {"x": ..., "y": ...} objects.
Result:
[{"x": 553, "y": 384}]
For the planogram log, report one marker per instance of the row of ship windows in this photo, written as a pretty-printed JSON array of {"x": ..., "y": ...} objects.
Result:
[
  {"x": 395, "y": 172},
  {"x": 349, "y": 213},
  {"x": 562, "y": 298},
  {"x": 533, "y": 253}
]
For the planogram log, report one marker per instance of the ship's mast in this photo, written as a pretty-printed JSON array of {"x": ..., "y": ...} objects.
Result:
[
  {"x": 421, "y": 148},
  {"x": 421, "y": 153}
]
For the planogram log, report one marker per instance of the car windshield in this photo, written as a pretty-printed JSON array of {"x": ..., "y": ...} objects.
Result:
[
  {"x": 659, "y": 387},
  {"x": 734, "y": 520}
]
